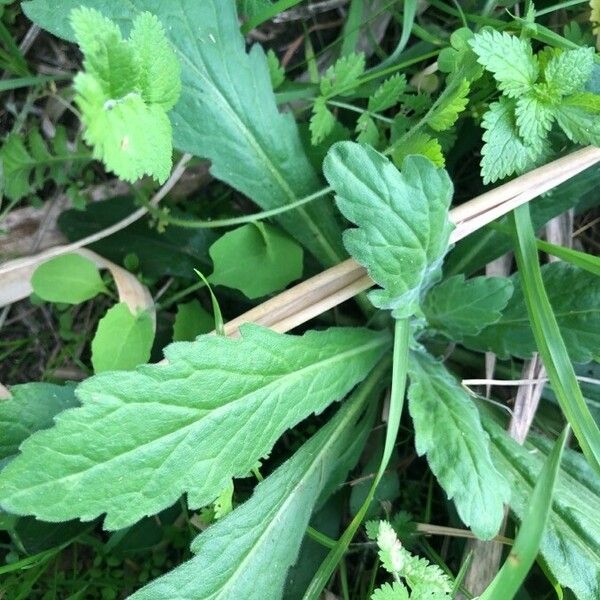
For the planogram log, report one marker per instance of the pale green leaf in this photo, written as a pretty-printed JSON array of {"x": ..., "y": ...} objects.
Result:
[
  {"x": 570, "y": 543},
  {"x": 32, "y": 406},
  {"x": 122, "y": 340},
  {"x": 580, "y": 125},
  {"x": 418, "y": 143},
  {"x": 504, "y": 152},
  {"x": 457, "y": 307},
  {"x": 388, "y": 93},
  {"x": 256, "y": 259},
  {"x": 276, "y": 71},
  {"x": 449, "y": 432},
  {"x": 253, "y": 565},
  {"x": 143, "y": 438},
  {"x": 390, "y": 549},
  {"x": 446, "y": 114},
  {"x": 568, "y": 71},
  {"x": 367, "y": 130},
  {"x": 509, "y": 59},
  {"x": 584, "y": 100},
  {"x": 575, "y": 297},
  {"x": 394, "y": 591},
  {"x": 343, "y": 76},
  {"x": 322, "y": 121},
  {"x": 191, "y": 320},
  {"x": 250, "y": 145},
  {"x": 402, "y": 217},
  {"x": 534, "y": 120},
  {"x": 70, "y": 279},
  {"x": 459, "y": 60}
]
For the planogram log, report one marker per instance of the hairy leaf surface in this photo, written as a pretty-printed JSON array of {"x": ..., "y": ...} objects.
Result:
[
  {"x": 236, "y": 557},
  {"x": 142, "y": 438},
  {"x": 252, "y": 146},
  {"x": 448, "y": 430},
  {"x": 402, "y": 217}
]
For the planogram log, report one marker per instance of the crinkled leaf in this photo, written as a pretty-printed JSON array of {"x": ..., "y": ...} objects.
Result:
[
  {"x": 457, "y": 307},
  {"x": 580, "y": 125},
  {"x": 388, "y": 93},
  {"x": 256, "y": 259},
  {"x": 509, "y": 59},
  {"x": 70, "y": 279},
  {"x": 236, "y": 556},
  {"x": 251, "y": 146},
  {"x": 342, "y": 77},
  {"x": 448, "y": 430},
  {"x": 32, "y": 406},
  {"x": 534, "y": 120},
  {"x": 568, "y": 72},
  {"x": 191, "y": 320},
  {"x": 575, "y": 297},
  {"x": 402, "y": 217},
  {"x": 123, "y": 340},
  {"x": 142, "y": 438},
  {"x": 448, "y": 110}
]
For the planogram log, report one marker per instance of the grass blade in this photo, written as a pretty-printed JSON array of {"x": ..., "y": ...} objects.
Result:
[
  {"x": 549, "y": 340},
  {"x": 525, "y": 549}
]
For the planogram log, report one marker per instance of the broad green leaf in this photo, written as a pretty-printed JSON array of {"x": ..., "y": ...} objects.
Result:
[
  {"x": 143, "y": 438},
  {"x": 343, "y": 76},
  {"x": 446, "y": 114},
  {"x": 229, "y": 564},
  {"x": 402, "y": 217},
  {"x": 388, "y": 93},
  {"x": 191, "y": 320},
  {"x": 449, "y": 432},
  {"x": 580, "y": 125},
  {"x": 509, "y": 59},
  {"x": 70, "y": 279},
  {"x": 251, "y": 146},
  {"x": 32, "y": 406},
  {"x": 122, "y": 340},
  {"x": 457, "y": 307},
  {"x": 568, "y": 72},
  {"x": 575, "y": 297},
  {"x": 534, "y": 120},
  {"x": 418, "y": 143},
  {"x": 570, "y": 543},
  {"x": 504, "y": 152},
  {"x": 256, "y": 259}
]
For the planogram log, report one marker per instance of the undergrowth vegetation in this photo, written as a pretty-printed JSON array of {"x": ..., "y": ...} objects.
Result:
[{"x": 170, "y": 166}]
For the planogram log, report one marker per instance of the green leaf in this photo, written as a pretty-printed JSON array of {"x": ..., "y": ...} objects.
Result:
[
  {"x": 388, "y": 93},
  {"x": 250, "y": 145},
  {"x": 143, "y": 438},
  {"x": 322, "y": 121},
  {"x": 402, "y": 217},
  {"x": 256, "y": 259},
  {"x": 367, "y": 130},
  {"x": 32, "y": 406},
  {"x": 568, "y": 72},
  {"x": 457, "y": 308},
  {"x": 580, "y": 125},
  {"x": 459, "y": 60},
  {"x": 575, "y": 298},
  {"x": 273, "y": 520},
  {"x": 504, "y": 152},
  {"x": 70, "y": 279},
  {"x": 122, "y": 340},
  {"x": 534, "y": 120},
  {"x": 28, "y": 162},
  {"x": 418, "y": 143},
  {"x": 276, "y": 71},
  {"x": 509, "y": 59},
  {"x": 394, "y": 591},
  {"x": 191, "y": 320},
  {"x": 442, "y": 413},
  {"x": 570, "y": 542},
  {"x": 446, "y": 114},
  {"x": 343, "y": 76}
]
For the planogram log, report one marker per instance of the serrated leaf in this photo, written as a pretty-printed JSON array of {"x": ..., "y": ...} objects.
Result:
[
  {"x": 343, "y": 76},
  {"x": 273, "y": 520},
  {"x": 28, "y": 162},
  {"x": 457, "y": 307},
  {"x": 122, "y": 340},
  {"x": 393, "y": 591},
  {"x": 402, "y": 217},
  {"x": 31, "y": 407},
  {"x": 143, "y": 438},
  {"x": 367, "y": 130},
  {"x": 276, "y": 71},
  {"x": 459, "y": 60},
  {"x": 448, "y": 430},
  {"x": 191, "y": 320},
  {"x": 575, "y": 297},
  {"x": 534, "y": 120},
  {"x": 322, "y": 121},
  {"x": 70, "y": 279},
  {"x": 509, "y": 59},
  {"x": 388, "y": 93},
  {"x": 447, "y": 112},
  {"x": 256, "y": 259},
  {"x": 504, "y": 152},
  {"x": 250, "y": 145},
  {"x": 418, "y": 143},
  {"x": 580, "y": 125},
  {"x": 569, "y": 71},
  {"x": 570, "y": 543}
]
